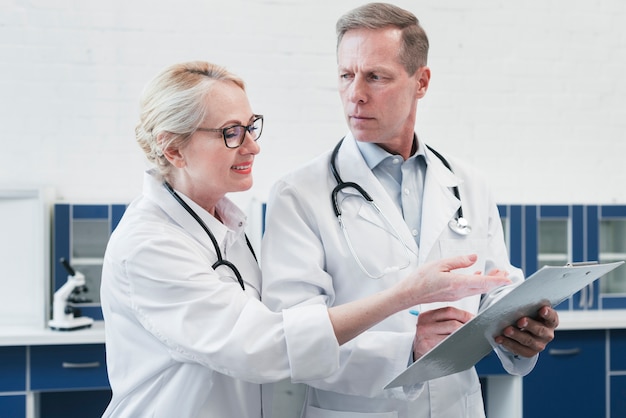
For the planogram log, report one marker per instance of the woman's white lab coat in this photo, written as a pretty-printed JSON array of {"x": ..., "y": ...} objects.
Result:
[
  {"x": 305, "y": 260},
  {"x": 183, "y": 340}
]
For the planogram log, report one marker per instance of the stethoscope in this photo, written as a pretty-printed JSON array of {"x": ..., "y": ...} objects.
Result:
[
  {"x": 220, "y": 260},
  {"x": 459, "y": 224}
]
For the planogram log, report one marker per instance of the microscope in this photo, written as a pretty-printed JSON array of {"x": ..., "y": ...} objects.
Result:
[{"x": 65, "y": 316}]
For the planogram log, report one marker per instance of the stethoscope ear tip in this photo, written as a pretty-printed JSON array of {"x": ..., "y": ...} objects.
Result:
[{"x": 460, "y": 226}]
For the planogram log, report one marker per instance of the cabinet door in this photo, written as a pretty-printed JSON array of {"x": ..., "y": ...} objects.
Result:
[
  {"x": 13, "y": 406},
  {"x": 571, "y": 368},
  {"x": 81, "y": 233},
  {"x": 12, "y": 369},
  {"x": 617, "y": 371},
  {"x": 73, "y": 404},
  {"x": 618, "y": 396},
  {"x": 78, "y": 366},
  {"x": 611, "y": 238}
]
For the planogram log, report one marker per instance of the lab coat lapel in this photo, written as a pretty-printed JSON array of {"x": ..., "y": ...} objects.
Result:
[
  {"x": 155, "y": 191},
  {"x": 353, "y": 167},
  {"x": 441, "y": 204}
]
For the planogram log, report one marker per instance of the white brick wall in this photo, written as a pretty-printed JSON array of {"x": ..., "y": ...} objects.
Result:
[{"x": 532, "y": 92}]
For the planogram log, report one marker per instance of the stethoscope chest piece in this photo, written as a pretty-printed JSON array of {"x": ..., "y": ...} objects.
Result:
[{"x": 460, "y": 226}]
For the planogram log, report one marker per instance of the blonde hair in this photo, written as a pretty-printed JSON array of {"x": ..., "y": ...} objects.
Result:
[
  {"x": 413, "y": 52},
  {"x": 173, "y": 105}
]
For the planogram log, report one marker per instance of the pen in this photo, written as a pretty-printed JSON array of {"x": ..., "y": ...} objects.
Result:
[{"x": 414, "y": 312}]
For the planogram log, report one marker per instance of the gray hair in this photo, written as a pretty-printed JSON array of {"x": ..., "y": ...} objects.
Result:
[
  {"x": 173, "y": 105},
  {"x": 413, "y": 53}
]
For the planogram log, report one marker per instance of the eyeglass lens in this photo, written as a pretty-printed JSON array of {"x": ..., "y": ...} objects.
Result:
[{"x": 235, "y": 135}]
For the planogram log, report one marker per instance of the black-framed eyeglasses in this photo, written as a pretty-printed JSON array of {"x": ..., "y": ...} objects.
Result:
[{"x": 234, "y": 135}]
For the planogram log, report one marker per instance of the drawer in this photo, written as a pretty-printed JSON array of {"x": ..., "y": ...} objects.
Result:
[
  {"x": 13, "y": 406},
  {"x": 76, "y": 366},
  {"x": 12, "y": 369}
]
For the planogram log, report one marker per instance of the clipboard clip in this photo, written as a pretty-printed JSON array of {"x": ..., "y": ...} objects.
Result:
[
  {"x": 587, "y": 292},
  {"x": 581, "y": 263}
]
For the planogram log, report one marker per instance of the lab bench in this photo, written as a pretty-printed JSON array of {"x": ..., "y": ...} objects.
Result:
[
  {"x": 41, "y": 370},
  {"x": 46, "y": 373}
]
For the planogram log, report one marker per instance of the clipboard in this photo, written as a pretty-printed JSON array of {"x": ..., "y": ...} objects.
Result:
[{"x": 462, "y": 349}]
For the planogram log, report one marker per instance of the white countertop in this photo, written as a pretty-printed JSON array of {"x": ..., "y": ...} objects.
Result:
[
  {"x": 606, "y": 319},
  {"x": 45, "y": 336},
  {"x": 13, "y": 336}
]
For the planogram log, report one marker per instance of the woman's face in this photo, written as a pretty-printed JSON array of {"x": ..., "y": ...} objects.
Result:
[{"x": 209, "y": 169}]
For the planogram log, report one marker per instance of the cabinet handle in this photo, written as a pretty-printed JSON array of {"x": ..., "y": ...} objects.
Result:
[
  {"x": 582, "y": 303},
  {"x": 564, "y": 351},
  {"x": 92, "y": 365},
  {"x": 591, "y": 296}
]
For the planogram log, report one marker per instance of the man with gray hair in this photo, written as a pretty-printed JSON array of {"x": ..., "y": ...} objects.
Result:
[{"x": 426, "y": 207}]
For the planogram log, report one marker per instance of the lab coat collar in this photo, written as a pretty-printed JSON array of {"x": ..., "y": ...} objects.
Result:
[
  {"x": 353, "y": 168},
  {"x": 441, "y": 204},
  {"x": 234, "y": 218}
]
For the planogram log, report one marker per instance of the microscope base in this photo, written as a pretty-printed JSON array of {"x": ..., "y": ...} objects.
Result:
[{"x": 71, "y": 325}]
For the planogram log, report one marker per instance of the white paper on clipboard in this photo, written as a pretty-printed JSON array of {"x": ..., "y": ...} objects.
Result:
[{"x": 466, "y": 346}]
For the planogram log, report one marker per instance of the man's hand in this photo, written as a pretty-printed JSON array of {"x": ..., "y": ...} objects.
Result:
[
  {"x": 435, "y": 325},
  {"x": 530, "y": 336}
]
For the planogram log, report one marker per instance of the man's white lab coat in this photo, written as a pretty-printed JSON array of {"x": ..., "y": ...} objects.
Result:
[{"x": 305, "y": 260}]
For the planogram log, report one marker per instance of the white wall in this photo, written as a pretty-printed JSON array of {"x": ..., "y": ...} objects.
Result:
[{"x": 532, "y": 92}]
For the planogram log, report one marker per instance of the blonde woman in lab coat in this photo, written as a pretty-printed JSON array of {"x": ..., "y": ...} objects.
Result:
[{"x": 186, "y": 334}]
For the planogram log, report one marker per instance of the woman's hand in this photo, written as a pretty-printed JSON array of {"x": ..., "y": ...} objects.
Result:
[{"x": 437, "y": 282}]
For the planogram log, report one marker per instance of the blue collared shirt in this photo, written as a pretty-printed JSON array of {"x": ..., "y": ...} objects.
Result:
[{"x": 403, "y": 180}]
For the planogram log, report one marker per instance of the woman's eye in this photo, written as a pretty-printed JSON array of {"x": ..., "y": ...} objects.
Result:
[{"x": 233, "y": 132}]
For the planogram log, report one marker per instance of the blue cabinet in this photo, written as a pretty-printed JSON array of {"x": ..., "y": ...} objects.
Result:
[
  {"x": 67, "y": 381},
  {"x": 539, "y": 235},
  {"x": 617, "y": 372},
  {"x": 569, "y": 379},
  {"x": 80, "y": 235},
  {"x": 12, "y": 369},
  {"x": 13, "y": 406},
  {"x": 67, "y": 367},
  {"x": 575, "y": 365},
  {"x": 618, "y": 395},
  {"x": 13, "y": 382}
]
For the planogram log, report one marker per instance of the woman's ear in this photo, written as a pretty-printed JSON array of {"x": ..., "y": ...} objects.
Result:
[{"x": 171, "y": 153}]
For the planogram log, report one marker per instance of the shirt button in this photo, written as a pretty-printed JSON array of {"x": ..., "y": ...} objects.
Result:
[
  {"x": 407, "y": 191},
  {"x": 396, "y": 161},
  {"x": 414, "y": 232}
]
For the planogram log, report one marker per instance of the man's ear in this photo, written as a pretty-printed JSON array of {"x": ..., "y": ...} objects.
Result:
[{"x": 423, "y": 80}]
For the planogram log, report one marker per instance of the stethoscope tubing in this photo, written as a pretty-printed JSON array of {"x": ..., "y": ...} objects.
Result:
[
  {"x": 220, "y": 260},
  {"x": 458, "y": 225}
]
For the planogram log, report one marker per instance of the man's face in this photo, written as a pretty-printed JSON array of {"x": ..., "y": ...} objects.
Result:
[{"x": 379, "y": 97}]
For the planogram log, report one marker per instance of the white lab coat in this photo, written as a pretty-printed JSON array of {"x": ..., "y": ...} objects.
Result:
[
  {"x": 305, "y": 260},
  {"x": 183, "y": 340}
]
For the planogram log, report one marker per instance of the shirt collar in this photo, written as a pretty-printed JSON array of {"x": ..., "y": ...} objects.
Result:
[{"x": 374, "y": 155}]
